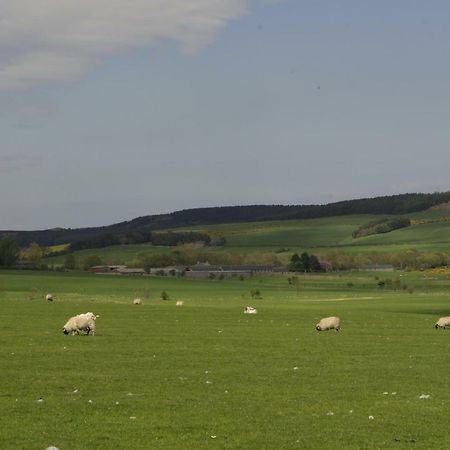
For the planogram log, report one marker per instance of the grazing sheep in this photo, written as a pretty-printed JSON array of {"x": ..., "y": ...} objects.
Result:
[
  {"x": 137, "y": 301},
  {"x": 49, "y": 297},
  {"x": 179, "y": 303},
  {"x": 250, "y": 310},
  {"x": 329, "y": 323},
  {"x": 82, "y": 322},
  {"x": 443, "y": 322},
  {"x": 71, "y": 326}
]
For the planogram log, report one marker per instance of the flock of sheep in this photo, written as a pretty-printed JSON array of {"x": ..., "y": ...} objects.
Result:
[{"x": 87, "y": 322}]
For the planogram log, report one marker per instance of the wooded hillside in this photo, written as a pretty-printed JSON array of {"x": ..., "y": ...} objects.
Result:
[{"x": 395, "y": 204}]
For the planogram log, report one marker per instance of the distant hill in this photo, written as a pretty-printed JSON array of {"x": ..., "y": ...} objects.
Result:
[{"x": 394, "y": 204}]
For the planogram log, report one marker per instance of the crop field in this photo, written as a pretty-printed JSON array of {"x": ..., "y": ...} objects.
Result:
[{"x": 206, "y": 376}]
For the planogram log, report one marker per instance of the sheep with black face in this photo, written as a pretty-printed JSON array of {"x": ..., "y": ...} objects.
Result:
[
  {"x": 329, "y": 323},
  {"x": 443, "y": 322},
  {"x": 82, "y": 322}
]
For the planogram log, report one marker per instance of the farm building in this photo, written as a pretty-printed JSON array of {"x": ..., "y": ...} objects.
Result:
[
  {"x": 206, "y": 270},
  {"x": 128, "y": 271}
]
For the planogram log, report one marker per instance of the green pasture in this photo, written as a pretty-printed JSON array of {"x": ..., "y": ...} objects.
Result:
[{"x": 206, "y": 376}]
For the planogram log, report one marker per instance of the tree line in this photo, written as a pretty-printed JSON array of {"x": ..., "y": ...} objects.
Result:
[{"x": 169, "y": 238}]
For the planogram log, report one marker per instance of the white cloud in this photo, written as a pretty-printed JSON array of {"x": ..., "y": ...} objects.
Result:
[{"x": 51, "y": 40}]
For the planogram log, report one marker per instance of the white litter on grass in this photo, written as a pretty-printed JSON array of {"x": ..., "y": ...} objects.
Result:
[
  {"x": 133, "y": 417},
  {"x": 351, "y": 411},
  {"x": 385, "y": 393},
  {"x": 371, "y": 417},
  {"x": 220, "y": 331},
  {"x": 208, "y": 382},
  {"x": 393, "y": 393},
  {"x": 129, "y": 393},
  {"x": 206, "y": 371},
  {"x": 117, "y": 403},
  {"x": 226, "y": 392},
  {"x": 295, "y": 368},
  {"x": 213, "y": 437},
  {"x": 89, "y": 401},
  {"x": 40, "y": 400},
  {"x": 75, "y": 391},
  {"x": 425, "y": 396},
  {"x": 52, "y": 448},
  {"x": 330, "y": 413}
]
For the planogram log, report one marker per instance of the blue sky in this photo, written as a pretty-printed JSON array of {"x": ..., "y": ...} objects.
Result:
[{"x": 108, "y": 113}]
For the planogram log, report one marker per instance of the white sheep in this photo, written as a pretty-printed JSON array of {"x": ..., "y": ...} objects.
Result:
[
  {"x": 329, "y": 323},
  {"x": 72, "y": 325},
  {"x": 82, "y": 322},
  {"x": 49, "y": 297},
  {"x": 443, "y": 322},
  {"x": 250, "y": 310},
  {"x": 179, "y": 303},
  {"x": 137, "y": 301}
]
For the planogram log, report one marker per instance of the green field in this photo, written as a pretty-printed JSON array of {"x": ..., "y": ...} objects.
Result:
[
  {"x": 283, "y": 238},
  {"x": 207, "y": 376}
]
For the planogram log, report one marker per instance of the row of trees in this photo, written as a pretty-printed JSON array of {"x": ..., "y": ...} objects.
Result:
[
  {"x": 305, "y": 262},
  {"x": 188, "y": 256},
  {"x": 408, "y": 259}
]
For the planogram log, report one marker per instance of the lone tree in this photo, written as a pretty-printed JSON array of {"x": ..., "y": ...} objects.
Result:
[
  {"x": 70, "y": 262},
  {"x": 9, "y": 251},
  {"x": 304, "y": 263}
]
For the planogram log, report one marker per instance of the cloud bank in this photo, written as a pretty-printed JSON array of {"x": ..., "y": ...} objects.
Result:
[{"x": 53, "y": 40}]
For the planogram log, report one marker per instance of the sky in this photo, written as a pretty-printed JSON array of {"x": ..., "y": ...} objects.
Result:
[{"x": 111, "y": 110}]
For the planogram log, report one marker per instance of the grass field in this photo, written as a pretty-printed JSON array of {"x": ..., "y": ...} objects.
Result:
[{"x": 206, "y": 376}]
